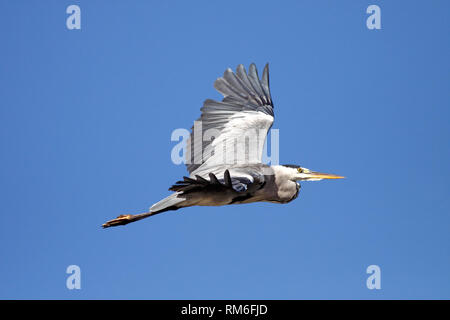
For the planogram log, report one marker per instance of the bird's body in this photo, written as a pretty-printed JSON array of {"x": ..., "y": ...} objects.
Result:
[
  {"x": 270, "y": 184},
  {"x": 224, "y": 154}
]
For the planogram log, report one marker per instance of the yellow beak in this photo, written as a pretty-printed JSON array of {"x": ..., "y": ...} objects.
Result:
[{"x": 320, "y": 175}]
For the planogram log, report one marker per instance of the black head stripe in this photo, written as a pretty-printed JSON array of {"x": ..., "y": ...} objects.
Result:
[{"x": 291, "y": 166}]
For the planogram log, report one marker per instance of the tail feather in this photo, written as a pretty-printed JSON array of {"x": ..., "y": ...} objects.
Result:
[{"x": 167, "y": 202}]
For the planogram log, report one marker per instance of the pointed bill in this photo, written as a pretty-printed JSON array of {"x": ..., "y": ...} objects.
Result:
[{"x": 321, "y": 175}]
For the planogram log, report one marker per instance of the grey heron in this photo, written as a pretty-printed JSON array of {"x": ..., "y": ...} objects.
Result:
[{"x": 246, "y": 107}]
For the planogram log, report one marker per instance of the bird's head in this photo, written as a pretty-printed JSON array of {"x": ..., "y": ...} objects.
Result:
[{"x": 298, "y": 173}]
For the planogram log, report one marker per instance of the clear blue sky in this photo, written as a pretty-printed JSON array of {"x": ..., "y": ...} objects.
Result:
[{"x": 86, "y": 119}]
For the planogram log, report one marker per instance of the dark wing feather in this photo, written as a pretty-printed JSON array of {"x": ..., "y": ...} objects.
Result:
[{"x": 188, "y": 185}]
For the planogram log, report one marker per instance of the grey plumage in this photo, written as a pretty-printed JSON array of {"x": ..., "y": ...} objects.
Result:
[{"x": 246, "y": 107}]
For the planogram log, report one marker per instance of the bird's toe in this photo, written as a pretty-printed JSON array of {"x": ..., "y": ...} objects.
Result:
[{"x": 120, "y": 220}]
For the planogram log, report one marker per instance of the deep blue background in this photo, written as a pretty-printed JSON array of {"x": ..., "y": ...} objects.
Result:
[{"x": 86, "y": 119}]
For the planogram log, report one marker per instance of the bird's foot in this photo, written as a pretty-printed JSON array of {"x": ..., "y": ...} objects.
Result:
[{"x": 120, "y": 220}]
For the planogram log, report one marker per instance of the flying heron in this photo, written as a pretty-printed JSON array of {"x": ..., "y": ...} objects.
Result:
[{"x": 246, "y": 109}]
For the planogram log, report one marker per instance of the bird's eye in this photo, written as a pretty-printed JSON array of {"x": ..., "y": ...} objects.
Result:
[{"x": 300, "y": 170}]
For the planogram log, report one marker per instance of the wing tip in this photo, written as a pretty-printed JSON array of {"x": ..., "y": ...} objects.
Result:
[{"x": 266, "y": 68}]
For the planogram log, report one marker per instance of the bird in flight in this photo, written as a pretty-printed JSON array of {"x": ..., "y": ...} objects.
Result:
[{"x": 225, "y": 149}]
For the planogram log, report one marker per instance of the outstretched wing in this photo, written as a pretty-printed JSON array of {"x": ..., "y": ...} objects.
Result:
[{"x": 232, "y": 131}]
